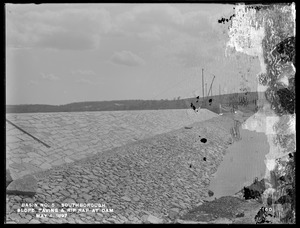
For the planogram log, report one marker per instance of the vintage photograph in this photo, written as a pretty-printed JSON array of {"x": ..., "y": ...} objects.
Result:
[{"x": 150, "y": 113}]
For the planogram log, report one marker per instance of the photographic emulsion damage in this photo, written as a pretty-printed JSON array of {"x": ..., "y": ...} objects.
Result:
[{"x": 150, "y": 113}]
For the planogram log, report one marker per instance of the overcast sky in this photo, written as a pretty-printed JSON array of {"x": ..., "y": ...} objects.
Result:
[{"x": 63, "y": 53}]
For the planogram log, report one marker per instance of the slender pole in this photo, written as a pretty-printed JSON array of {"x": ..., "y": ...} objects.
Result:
[
  {"x": 211, "y": 84},
  {"x": 202, "y": 85},
  {"x": 35, "y": 138},
  {"x": 206, "y": 90}
]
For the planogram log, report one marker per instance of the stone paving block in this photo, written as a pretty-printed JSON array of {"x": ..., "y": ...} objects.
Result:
[
  {"x": 77, "y": 157},
  {"x": 57, "y": 155},
  {"x": 58, "y": 162},
  {"x": 26, "y": 160},
  {"x": 13, "y": 146},
  {"x": 154, "y": 220},
  {"x": 68, "y": 152},
  {"x": 29, "y": 164},
  {"x": 11, "y": 139},
  {"x": 46, "y": 165},
  {"x": 17, "y": 160},
  {"x": 26, "y": 185},
  {"x": 174, "y": 212},
  {"x": 8, "y": 177},
  {"x": 68, "y": 160},
  {"x": 34, "y": 221},
  {"x": 37, "y": 162},
  {"x": 126, "y": 198},
  {"x": 50, "y": 156},
  {"x": 17, "y": 166}
]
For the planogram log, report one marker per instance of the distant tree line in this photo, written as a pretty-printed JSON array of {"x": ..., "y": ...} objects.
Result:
[{"x": 211, "y": 102}]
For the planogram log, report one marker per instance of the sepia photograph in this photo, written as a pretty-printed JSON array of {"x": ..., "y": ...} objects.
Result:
[{"x": 150, "y": 113}]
